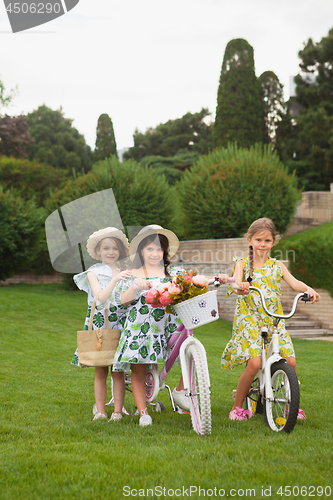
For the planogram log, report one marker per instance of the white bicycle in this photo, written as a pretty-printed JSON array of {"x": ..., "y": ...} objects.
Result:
[{"x": 275, "y": 389}]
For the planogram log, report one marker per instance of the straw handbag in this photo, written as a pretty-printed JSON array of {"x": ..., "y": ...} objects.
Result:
[{"x": 97, "y": 347}]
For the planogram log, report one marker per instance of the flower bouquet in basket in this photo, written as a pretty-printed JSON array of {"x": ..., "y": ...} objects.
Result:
[{"x": 187, "y": 295}]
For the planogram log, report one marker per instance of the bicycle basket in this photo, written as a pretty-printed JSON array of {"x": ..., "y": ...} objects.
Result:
[{"x": 199, "y": 310}]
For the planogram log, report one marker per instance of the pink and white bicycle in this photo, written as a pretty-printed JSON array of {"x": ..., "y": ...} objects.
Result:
[{"x": 195, "y": 312}]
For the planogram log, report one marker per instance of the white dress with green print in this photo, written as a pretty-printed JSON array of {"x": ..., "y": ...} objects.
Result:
[
  {"x": 246, "y": 339},
  {"x": 146, "y": 330},
  {"x": 116, "y": 316}
]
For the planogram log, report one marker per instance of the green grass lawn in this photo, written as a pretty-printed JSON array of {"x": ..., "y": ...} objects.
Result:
[{"x": 51, "y": 449}]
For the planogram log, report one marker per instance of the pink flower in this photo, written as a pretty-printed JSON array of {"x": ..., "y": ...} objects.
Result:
[
  {"x": 200, "y": 280},
  {"x": 151, "y": 295},
  {"x": 175, "y": 289},
  {"x": 187, "y": 278},
  {"x": 164, "y": 286},
  {"x": 165, "y": 299}
]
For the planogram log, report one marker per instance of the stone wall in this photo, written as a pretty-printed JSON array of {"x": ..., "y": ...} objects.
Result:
[{"x": 33, "y": 279}]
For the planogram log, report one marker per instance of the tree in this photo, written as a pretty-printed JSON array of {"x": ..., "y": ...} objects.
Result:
[
  {"x": 309, "y": 148},
  {"x": 105, "y": 139},
  {"x": 14, "y": 136},
  {"x": 5, "y": 100},
  {"x": 30, "y": 179},
  {"x": 228, "y": 189},
  {"x": 188, "y": 133},
  {"x": 273, "y": 102},
  {"x": 56, "y": 142},
  {"x": 239, "y": 112},
  {"x": 21, "y": 227}
]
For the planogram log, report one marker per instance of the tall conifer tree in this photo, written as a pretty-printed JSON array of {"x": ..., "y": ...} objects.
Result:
[
  {"x": 239, "y": 112},
  {"x": 105, "y": 139}
]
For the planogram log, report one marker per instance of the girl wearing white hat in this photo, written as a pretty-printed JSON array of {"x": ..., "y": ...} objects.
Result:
[
  {"x": 146, "y": 330},
  {"x": 109, "y": 245}
]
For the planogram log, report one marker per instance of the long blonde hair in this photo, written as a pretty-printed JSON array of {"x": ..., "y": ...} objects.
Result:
[{"x": 259, "y": 225}]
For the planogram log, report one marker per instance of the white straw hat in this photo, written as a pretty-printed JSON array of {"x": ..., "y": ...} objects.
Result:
[
  {"x": 107, "y": 232},
  {"x": 155, "y": 229}
]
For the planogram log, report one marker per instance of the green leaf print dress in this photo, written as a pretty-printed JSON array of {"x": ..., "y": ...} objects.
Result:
[
  {"x": 146, "y": 330},
  {"x": 116, "y": 315},
  {"x": 246, "y": 340}
]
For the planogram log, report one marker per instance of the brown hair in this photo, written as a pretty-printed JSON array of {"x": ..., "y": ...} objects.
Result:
[
  {"x": 123, "y": 251},
  {"x": 164, "y": 242},
  {"x": 263, "y": 224}
]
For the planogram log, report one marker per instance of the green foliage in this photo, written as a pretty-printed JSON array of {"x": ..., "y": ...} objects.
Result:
[
  {"x": 30, "y": 179},
  {"x": 14, "y": 136},
  {"x": 240, "y": 111},
  {"x": 310, "y": 255},
  {"x": 105, "y": 139},
  {"x": 142, "y": 196},
  {"x": 21, "y": 231},
  {"x": 5, "y": 100},
  {"x": 56, "y": 142},
  {"x": 188, "y": 133},
  {"x": 307, "y": 139},
  {"x": 172, "y": 167},
  {"x": 230, "y": 188}
]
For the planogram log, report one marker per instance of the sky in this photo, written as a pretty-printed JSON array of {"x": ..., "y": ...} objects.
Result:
[{"x": 144, "y": 62}]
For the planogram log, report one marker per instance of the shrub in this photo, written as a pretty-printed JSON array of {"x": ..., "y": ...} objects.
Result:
[
  {"x": 30, "y": 179},
  {"x": 142, "y": 196},
  {"x": 22, "y": 226},
  {"x": 228, "y": 189},
  {"x": 312, "y": 252}
]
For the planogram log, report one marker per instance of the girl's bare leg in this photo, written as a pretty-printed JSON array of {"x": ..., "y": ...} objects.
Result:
[
  {"x": 118, "y": 390},
  {"x": 101, "y": 374},
  {"x": 245, "y": 380},
  {"x": 292, "y": 362},
  {"x": 138, "y": 386}
]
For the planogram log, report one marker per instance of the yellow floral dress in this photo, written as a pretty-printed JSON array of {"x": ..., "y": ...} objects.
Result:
[{"x": 246, "y": 339}]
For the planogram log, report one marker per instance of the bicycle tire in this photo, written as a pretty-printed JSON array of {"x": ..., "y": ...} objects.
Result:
[
  {"x": 152, "y": 385},
  {"x": 281, "y": 413},
  {"x": 254, "y": 399},
  {"x": 199, "y": 393}
]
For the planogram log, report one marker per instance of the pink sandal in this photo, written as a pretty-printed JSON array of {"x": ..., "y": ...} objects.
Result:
[{"x": 240, "y": 414}]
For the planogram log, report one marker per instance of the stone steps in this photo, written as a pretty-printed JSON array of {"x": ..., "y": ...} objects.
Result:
[{"x": 301, "y": 327}]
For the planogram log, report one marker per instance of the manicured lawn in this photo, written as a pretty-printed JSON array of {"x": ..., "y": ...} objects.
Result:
[{"x": 51, "y": 449}]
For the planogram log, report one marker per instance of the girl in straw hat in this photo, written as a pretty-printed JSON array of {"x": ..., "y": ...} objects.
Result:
[
  {"x": 146, "y": 330},
  {"x": 109, "y": 245}
]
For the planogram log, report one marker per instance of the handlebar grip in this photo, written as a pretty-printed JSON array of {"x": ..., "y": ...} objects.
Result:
[{"x": 306, "y": 297}]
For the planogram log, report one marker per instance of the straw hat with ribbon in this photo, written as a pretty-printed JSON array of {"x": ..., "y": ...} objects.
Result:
[
  {"x": 97, "y": 236},
  {"x": 151, "y": 230}
]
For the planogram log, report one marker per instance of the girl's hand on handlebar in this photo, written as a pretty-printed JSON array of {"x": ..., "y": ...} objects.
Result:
[
  {"x": 313, "y": 294},
  {"x": 244, "y": 288},
  {"x": 223, "y": 278}
]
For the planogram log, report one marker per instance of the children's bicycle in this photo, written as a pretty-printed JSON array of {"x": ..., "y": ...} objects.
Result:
[
  {"x": 200, "y": 310},
  {"x": 275, "y": 389}
]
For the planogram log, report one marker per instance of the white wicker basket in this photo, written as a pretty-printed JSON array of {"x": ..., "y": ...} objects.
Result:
[{"x": 199, "y": 310}]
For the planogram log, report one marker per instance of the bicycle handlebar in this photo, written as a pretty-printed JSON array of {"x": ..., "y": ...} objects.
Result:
[{"x": 304, "y": 296}]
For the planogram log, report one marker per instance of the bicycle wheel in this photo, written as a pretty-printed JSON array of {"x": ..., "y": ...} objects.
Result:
[
  {"x": 281, "y": 413},
  {"x": 199, "y": 391},
  {"x": 152, "y": 384},
  {"x": 253, "y": 398}
]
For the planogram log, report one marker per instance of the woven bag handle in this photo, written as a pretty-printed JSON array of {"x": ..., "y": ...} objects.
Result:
[{"x": 92, "y": 314}]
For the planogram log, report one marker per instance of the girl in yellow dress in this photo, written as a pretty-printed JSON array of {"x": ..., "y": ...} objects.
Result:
[{"x": 265, "y": 273}]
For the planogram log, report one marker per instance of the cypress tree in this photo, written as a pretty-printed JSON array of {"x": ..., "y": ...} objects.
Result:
[
  {"x": 105, "y": 139},
  {"x": 239, "y": 112}
]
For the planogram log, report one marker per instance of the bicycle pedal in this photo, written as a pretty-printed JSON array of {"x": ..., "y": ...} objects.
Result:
[{"x": 182, "y": 411}]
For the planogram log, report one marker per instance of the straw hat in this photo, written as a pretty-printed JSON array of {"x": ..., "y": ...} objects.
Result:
[
  {"x": 155, "y": 229},
  {"x": 107, "y": 232}
]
